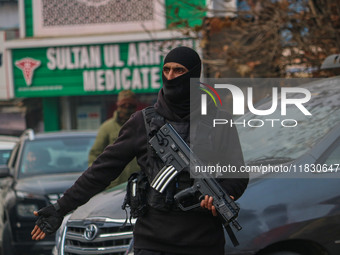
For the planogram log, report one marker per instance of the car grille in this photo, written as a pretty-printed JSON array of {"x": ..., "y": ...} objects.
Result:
[{"x": 99, "y": 236}]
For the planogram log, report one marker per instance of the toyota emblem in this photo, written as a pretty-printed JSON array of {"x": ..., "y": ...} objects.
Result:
[{"x": 90, "y": 232}]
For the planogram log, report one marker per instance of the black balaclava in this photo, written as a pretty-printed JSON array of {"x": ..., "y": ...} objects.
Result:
[{"x": 177, "y": 91}]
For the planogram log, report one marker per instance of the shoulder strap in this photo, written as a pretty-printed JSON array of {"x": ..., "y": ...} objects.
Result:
[
  {"x": 150, "y": 114},
  {"x": 152, "y": 120}
]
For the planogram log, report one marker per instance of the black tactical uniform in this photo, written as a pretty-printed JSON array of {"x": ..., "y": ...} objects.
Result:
[{"x": 164, "y": 227}]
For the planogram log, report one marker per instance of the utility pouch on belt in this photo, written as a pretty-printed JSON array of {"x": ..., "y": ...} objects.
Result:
[{"x": 135, "y": 197}]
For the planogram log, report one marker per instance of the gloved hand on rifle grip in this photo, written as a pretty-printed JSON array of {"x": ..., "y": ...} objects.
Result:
[{"x": 49, "y": 220}]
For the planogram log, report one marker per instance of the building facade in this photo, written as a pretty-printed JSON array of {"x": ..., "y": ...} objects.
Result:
[{"x": 74, "y": 56}]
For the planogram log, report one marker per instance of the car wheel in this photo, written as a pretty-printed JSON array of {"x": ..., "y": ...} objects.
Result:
[{"x": 7, "y": 247}]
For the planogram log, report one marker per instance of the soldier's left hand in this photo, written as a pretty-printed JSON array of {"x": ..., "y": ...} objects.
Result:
[{"x": 207, "y": 203}]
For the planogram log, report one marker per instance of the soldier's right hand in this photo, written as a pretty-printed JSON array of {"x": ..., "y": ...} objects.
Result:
[{"x": 48, "y": 222}]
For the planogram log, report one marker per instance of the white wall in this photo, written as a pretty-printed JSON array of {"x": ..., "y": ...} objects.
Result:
[{"x": 9, "y": 16}]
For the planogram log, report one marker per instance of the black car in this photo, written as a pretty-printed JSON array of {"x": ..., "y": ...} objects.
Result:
[
  {"x": 295, "y": 212},
  {"x": 41, "y": 167},
  {"x": 281, "y": 214}
]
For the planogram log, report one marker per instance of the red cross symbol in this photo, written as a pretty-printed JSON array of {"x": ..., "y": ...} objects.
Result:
[{"x": 27, "y": 66}]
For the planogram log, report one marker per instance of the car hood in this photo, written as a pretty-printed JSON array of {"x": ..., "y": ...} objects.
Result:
[
  {"x": 274, "y": 209},
  {"x": 46, "y": 184},
  {"x": 106, "y": 204}
]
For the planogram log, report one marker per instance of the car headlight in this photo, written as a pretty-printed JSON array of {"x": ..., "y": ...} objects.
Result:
[
  {"x": 26, "y": 210},
  {"x": 24, "y": 195}
]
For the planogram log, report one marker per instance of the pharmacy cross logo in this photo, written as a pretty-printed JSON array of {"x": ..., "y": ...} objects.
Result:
[
  {"x": 204, "y": 87},
  {"x": 27, "y": 66}
]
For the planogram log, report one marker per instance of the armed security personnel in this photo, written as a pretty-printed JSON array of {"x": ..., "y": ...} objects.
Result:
[{"x": 163, "y": 228}]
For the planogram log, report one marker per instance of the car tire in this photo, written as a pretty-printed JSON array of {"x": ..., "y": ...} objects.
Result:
[{"x": 7, "y": 247}]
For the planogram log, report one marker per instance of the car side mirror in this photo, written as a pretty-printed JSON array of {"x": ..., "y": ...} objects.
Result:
[{"x": 4, "y": 171}]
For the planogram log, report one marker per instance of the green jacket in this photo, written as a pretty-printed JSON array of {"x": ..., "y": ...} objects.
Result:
[{"x": 107, "y": 134}]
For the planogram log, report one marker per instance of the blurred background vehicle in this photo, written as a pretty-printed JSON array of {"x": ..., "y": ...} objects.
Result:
[
  {"x": 7, "y": 144},
  {"x": 41, "y": 167},
  {"x": 98, "y": 227},
  {"x": 295, "y": 213}
]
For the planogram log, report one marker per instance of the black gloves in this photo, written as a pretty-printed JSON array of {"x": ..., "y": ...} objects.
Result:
[{"x": 50, "y": 219}]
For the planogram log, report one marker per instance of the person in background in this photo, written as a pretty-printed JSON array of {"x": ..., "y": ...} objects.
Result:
[
  {"x": 109, "y": 131},
  {"x": 36, "y": 161}
]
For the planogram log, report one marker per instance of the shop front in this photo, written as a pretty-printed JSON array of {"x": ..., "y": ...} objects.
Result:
[{"x": 77, "y": 79}]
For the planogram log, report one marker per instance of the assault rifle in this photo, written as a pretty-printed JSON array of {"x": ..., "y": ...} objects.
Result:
[{"x": 177, "y": 156}]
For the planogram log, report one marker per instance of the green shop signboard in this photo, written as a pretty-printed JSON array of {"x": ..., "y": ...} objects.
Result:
[{"x": 90, "y": 69}]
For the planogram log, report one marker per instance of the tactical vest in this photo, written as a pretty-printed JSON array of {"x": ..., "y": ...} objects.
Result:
[
  {"x": 209, "y": 142},
  {"x": 163, "y": 201}
]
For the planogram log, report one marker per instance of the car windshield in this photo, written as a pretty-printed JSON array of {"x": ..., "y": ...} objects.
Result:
[
  {"x": 52, "y": 156},
  {"x": 280, "y": 144}
]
